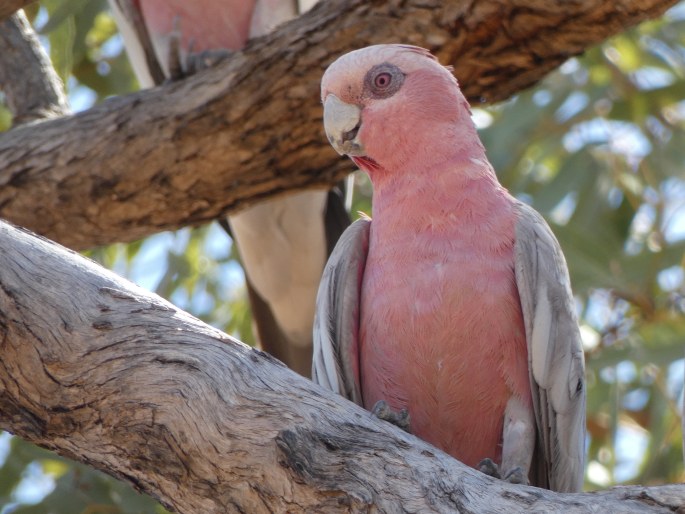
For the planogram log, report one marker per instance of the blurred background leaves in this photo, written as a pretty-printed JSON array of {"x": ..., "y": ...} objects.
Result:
[{"x": 598, "y": 147}]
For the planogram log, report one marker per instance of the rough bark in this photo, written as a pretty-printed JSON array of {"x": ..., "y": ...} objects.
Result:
[
  {"x": 32, "y": 88},
  {"x": 9, "y": 7},
  {"x": 106, "y": 373},
  {"x": 190, "y": 151}
]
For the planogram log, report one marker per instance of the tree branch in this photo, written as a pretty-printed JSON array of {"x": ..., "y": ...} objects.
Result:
[
  {"x": 9, "y": 7},
  {"x": 188, "y": 152},
  {"x": 106, "y": 373},
  {"x": 30, "y": 83}
]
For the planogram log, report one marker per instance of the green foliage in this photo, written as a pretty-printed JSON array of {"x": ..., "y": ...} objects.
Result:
[
  {"x": 5, "y": 117},
  {"x": 78, "y": 32},
  {"x": 598, "y": 147}
]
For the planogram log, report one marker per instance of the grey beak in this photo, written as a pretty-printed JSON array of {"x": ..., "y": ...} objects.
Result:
[{"x": 341, "y": 122}]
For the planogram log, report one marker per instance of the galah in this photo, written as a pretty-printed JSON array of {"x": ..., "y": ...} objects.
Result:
[
  {"x": 453, "y": 301},
  {"x": 283, "y": 243}
]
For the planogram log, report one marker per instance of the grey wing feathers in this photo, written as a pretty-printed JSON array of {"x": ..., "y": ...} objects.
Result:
[
  {"x": 335, "y": 363},
  {"x": 555, "y": 355}
]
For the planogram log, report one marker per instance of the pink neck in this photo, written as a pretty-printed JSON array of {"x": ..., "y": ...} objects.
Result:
[
  {"x": 450, "y": 197},
  {"x": 441, "y": 181}
]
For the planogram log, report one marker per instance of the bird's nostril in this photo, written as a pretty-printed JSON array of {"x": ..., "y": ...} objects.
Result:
[{"x": 350, "y": 134}]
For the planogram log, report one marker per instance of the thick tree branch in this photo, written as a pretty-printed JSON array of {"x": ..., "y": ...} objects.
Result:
[
  {"x": 9, "y": 7},
  {"x": 101, "y": 371},
  {"x": 30, "y": 83},
  {"x": 250, "y": 128}
]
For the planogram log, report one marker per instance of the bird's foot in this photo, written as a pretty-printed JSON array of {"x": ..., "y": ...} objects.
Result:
[
  {"x": 180, "y": 65},
  {"x": 199, "y": 61},
  {"x": 513, "y": 476},
  {"x": 383, "y": 411},
  {"x": 489, "y": 467}
]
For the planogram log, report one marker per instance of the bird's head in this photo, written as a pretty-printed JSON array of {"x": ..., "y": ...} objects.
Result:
[{"x": 390, "y": 107}]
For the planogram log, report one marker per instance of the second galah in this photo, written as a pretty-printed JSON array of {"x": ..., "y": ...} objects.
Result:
[
  {"x": 283, "y": 242},
  {"x": 453, "y": 302}
]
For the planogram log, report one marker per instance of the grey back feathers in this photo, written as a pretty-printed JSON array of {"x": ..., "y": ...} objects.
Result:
[
  {"x": 555, "y": 355},
  {"x": 336, "y": 324}
]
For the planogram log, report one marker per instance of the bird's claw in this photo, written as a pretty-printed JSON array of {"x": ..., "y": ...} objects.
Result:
[
  {"x": 489, "y": 467},
  {"x": 174, "y": 60},
  {"x": 516, "y": 476},
  {"x": 180, "y": 65},
  {"x": 199, "y": 61},
  {"x": 383, "y": 411},
  {"x": 513, "y": 476}
]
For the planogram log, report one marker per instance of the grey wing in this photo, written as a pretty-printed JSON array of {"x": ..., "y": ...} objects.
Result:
[
  {"x": 335, "y": 364},
  {"x": 555, "y": 355}
]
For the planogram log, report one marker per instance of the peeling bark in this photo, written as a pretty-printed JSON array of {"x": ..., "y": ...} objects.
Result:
[
  {"x": 101, "y": 371},
  {"x": 250, "y": 128}
]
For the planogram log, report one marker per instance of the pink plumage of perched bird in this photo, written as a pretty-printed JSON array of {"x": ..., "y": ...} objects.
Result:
[{"x": 454, "y": 300}]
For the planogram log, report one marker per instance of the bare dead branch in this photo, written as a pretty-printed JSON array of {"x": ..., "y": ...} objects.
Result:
[{"x": 101, "y": 371}]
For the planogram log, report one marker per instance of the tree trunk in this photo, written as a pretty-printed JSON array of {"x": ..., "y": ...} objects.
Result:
[
  {"x": 101, "y": 371},
  {"x": 250, "y": 128}
]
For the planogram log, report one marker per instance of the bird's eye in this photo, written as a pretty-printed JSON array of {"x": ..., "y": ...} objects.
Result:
[{"x": 382, "y": 80}]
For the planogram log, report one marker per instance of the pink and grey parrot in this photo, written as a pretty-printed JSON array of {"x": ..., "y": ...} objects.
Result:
[
  {"x": 283, "y": 243},
  {"x": 453, "y": 301}
]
